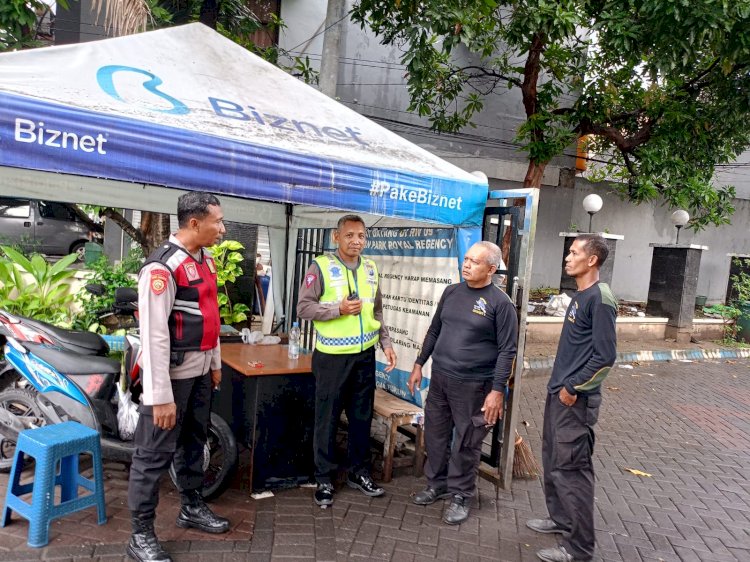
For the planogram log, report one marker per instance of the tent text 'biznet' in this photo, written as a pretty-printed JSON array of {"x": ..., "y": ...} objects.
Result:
[
  {"x": 29, "y": 132},
  {"x": 226, "y": 108}
]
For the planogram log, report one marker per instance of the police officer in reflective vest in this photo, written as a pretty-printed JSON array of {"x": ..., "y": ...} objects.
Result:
[
  {"x": 181, "y": 362},
  {"x": 340, "y": 295}
]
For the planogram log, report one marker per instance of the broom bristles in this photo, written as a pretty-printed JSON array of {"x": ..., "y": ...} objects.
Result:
[{"x": 525, "y": 465}]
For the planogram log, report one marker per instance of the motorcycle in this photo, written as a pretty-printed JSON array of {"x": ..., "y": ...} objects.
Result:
[
  {"x": 61, "y": 385},
  {"x": 21, "y": 328}
]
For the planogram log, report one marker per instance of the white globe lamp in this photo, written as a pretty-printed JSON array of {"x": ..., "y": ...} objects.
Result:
[
  {"x": 679, "y": 219},
  {"x": 592, "y": 204}
]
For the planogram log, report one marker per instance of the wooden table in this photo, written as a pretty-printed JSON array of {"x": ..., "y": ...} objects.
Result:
[
  {"x": 274, "y": 358},
  {"x": 271, "y": 410}
]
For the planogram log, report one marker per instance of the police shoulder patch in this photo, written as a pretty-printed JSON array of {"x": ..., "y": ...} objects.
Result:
[
  {"x": 159, "y": 279},
  {"x": 310, "y": 279}
]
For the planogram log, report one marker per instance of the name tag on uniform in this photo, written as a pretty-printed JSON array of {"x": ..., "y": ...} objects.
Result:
[{"x": 191, "y": 271}]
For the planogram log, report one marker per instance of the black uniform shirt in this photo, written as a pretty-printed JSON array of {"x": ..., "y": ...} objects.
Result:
[
  {"x": 473, "y": 335},
  {"x": 587, "y": 348}
]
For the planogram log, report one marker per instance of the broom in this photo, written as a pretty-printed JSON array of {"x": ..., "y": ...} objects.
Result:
[{"x": 525, "y": 465}]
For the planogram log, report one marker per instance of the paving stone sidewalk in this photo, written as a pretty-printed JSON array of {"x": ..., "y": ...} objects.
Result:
[{"x": 687, "y": 424}]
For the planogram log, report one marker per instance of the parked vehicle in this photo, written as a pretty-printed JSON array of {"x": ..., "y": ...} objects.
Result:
[
  {"x": 27, "y": 329},
  {"x": 47, "y": 227},
  {"x": 60, "y": 385}
]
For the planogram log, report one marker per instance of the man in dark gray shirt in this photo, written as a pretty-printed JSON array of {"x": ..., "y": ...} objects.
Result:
[
  {"x": 472, "y": 340},
  {"x": 586, "y": 352}
]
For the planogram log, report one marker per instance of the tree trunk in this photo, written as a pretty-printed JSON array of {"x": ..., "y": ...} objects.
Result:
[
  {"x": 155, "y": 230},
  {"x": 534, "y": 174},
  {"x": 533, "y": 178},
  {"x": 209, "y": 14}
]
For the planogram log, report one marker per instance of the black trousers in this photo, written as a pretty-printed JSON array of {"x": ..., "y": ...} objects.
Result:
[
  {"x": 155, "y": 448},
  {"x": 454, "y": 429},
  {"x": 343, "y": 383},
  {"x": 568, "y": 444}
]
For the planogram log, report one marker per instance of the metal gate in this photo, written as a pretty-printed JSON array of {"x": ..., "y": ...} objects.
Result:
[
  {"x": 311, "y": 242},
  {"x": 502, "y": 226}
]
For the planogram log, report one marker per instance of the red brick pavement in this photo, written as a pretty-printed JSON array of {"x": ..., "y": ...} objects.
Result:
[{"x": 684, "y": 423}]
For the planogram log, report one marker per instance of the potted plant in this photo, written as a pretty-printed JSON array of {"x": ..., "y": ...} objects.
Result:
[{"x": 227, "y": 257}]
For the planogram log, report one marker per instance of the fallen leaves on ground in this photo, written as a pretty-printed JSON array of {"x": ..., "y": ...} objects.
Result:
[{"x": 637, "y": 472}]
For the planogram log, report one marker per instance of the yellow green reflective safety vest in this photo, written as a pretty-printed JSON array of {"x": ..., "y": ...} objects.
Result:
[{"x": 348, "y": 333}]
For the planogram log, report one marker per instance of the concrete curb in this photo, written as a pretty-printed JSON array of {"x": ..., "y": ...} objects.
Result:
[{"x": 542, "y": 363}]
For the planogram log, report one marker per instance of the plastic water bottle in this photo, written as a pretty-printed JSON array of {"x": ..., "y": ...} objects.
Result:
[{"x": 294, "y": 335}]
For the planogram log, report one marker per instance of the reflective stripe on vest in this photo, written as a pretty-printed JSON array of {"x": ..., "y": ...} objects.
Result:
[{"x": 347, "y": 334}]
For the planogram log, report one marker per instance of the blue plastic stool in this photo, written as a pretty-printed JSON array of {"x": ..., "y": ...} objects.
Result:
[{"x": 53, "y": 446}]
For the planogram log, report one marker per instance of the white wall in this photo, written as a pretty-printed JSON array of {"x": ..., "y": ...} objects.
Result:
[{"x": 641, "y": 225}]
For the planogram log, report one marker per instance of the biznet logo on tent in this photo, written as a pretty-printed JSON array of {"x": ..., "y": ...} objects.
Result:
[
  {"x": 222, "y": 108},
  {"x": 28, "y": 131}
]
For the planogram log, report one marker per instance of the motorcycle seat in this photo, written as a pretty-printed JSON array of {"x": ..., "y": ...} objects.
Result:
[
  {"x": 75, "y": 340},
  {"x": 70, "y": 363}
]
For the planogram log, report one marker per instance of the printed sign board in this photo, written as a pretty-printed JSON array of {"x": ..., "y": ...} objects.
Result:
[{"x": 416, "y": 265}]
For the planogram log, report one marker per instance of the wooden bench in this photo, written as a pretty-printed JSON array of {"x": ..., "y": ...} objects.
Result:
[{"x": 396, "y": 413}]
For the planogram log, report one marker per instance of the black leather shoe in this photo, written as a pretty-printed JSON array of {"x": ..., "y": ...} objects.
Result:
[
  {"x": 430, "y": 495},
  {"x": 546, "y": 526},
  {"x": 143, "y": 545},
  {"x": 364, "y": 484},
  {"x": 557, "y": 554},
  {"x": 195, "y": 513},
  {"x": 324, "y": 494},
  {"x": 458, "y": 510}
]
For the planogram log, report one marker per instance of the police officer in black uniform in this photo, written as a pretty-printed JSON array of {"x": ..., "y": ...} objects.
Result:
[{"x": 181, "y": 362}]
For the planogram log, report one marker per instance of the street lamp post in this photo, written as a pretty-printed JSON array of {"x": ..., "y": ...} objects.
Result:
[
  {"x": 592, "y": 204},
  {"x": 679, "y": 219}
]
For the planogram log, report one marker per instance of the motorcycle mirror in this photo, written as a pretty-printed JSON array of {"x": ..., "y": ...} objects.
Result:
[
  {"x": 126, "y": 295},
  {"x": 95, "y": 289}
]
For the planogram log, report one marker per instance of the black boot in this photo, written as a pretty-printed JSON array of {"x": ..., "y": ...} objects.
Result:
[
  {"x": 195, "y": 513},
  {"x": 143, "y": 545}
]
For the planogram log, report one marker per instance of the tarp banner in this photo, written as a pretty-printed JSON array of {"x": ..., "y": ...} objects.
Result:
[
  {"x": 187, "y": 108},
  {"x": 416, "y": 265},
  {"x": 44, "y": 136}
]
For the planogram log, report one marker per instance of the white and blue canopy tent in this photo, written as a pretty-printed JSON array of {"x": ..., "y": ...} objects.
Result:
[
  {"x": 132, "y": 122},
  {"x": 128, "y": 122}
]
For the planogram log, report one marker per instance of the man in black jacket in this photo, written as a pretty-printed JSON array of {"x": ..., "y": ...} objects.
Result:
[
  {"x": 585, "y": 354},
  {"x": 472, "y": 341}
]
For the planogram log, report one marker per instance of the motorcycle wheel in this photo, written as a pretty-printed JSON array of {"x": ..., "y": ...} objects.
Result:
[
  {"x": 9, "y": 378},
  {"x": 22, "y": 404},
  {"x": 219, "y": 459}
]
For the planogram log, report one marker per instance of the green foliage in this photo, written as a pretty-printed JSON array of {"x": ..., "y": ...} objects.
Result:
[
  {"x": 46, "y": 295},
  {"x": 133, "y": 261},
  {"x": 741, "y": 284},
  {"x": 662, "y": 87},
  {"x": 18, "y": 22},
  {"x": 227, "y": 257},
  {"x": 732, "y": 312},
  {"x": 729, "y": 314},
  {"x": 542, "y": 293},
  {"x": 92, "y": 306},
  {"x": 302, "y": 68}
]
